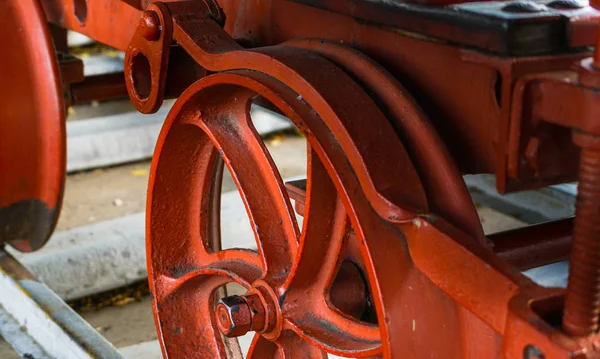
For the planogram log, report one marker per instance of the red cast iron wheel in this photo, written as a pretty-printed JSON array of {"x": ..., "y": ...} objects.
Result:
[
  {"x": 288, "y": 301},
  {"x": 32, "y": 128}
]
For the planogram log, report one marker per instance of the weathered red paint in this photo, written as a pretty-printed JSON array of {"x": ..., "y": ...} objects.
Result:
[
  {"x": 391, "y": 253},
  {"x": 211, "y": 119},
  {"x": 467, "y": 95},
  {"x": 32, "y": 128}
]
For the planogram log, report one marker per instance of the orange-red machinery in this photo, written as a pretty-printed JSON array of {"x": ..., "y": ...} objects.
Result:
[{"x": 397, "y": 100}]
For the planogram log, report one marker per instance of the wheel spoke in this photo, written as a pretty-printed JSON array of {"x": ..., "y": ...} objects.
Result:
[
  {"x": 291, "y": 346},
  {"x": 324, "y": 229},
  {"x": 238, "y": 265},
  {"x": 288, "y": 346},
  {"x": 181, "y": 222},
  {"x": 188, "y": 328},
  {"x": 261, "y": 348},
  {"x": 334, "y": 331},
  {"x": 229, "y": 126},
  {"x": 321, "y": 244}
]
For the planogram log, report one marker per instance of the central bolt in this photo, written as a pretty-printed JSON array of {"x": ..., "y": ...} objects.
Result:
[{"x": 237, "y": 315}]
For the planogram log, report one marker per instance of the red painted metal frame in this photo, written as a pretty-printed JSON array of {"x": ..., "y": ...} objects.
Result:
[
  {"x": 391, "y": 253},
  {"x": 468, "y": 95},
  {"x": 496, "y": 305}
]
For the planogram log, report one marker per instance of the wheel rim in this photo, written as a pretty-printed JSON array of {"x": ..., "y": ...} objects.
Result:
[
  {"x": 32, "y": 129},
  {"x": 210, "y": 121}
]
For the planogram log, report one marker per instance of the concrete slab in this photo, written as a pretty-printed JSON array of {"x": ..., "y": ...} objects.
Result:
[
  {"x": 51, "y": 328},
  {"x": 527, "y": 206},
  {"x": 110, "y": 254},
  {"x": 151, "y": 349},
  {"x": 106, "y": 255},
  {"x": 115, "y": 139},
  {"x": 147, "y": 350}
]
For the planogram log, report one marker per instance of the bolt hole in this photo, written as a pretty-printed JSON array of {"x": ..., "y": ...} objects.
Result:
[
  {"x": 141, "y": 76},
  {"x": 532, "y": 352},
  {"x": 80, "y": 10}
]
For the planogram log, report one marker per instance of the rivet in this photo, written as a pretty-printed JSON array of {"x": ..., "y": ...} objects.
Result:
[{"x": 150, "y": 26}]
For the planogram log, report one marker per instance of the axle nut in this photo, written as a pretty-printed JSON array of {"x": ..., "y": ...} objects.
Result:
[{"x": 234, "y": 316}]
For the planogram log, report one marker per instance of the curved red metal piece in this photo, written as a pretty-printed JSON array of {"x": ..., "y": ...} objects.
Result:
[
  {"x": 205, "y": 107},
  {"x": 32, "y": 128},
  {"x": 356, "y": 162},
  {"x": 210, "y": 119},
  {"x": 446, "y": 191},
  {"x": 401, "y": 209}
]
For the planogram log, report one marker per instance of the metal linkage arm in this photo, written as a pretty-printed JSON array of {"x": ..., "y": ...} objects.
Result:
[{"x": 111, "y": 22}]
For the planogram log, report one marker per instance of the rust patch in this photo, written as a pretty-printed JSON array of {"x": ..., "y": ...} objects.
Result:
[{"x": 27, "y": 225}]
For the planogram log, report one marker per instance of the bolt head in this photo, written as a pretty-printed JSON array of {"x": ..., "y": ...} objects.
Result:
[
  {"x": 234, "y": 316},
  {"x": 150, "y": 26}
]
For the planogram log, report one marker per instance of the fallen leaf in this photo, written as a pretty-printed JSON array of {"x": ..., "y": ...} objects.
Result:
[
  {"x": 140, "y": 172},
  {"x": 124, "y": 301}
]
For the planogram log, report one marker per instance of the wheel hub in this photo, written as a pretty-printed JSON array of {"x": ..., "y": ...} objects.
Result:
[
  {"x": 237, "y": 315},
  {"x": 257, "y": 310}
]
